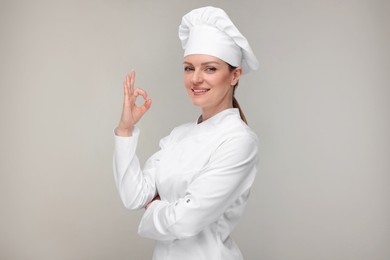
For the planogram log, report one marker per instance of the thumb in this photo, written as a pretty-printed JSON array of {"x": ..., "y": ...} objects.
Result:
[
  {"x": 148, "y": 104},
  {"x": 145, "y": 107}
]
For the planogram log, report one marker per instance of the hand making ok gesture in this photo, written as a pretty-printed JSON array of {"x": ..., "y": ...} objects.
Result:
[{"x": 131, "y": 113}]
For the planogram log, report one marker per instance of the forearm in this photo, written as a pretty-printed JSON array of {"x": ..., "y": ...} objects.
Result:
[{"x": 135, "y": 188}]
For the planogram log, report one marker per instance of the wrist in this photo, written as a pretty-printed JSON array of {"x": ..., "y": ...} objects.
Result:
[{"x": 125, "y": 132}]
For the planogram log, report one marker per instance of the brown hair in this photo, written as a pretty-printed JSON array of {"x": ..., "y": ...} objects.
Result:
[{"x": 235, "y": 102}]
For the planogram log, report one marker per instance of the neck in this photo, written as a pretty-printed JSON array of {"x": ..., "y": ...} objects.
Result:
[{"x": 207, "y": 113}]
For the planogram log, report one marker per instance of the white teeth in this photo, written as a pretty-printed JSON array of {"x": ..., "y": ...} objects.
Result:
[{"x": 200, "y": 90}]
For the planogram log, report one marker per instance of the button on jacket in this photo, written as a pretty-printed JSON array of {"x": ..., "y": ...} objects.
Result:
[{"x": 203, "y": 174}]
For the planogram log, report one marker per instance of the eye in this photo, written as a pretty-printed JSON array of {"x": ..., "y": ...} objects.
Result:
[
  {"x": 188, "y": 68},
  {"x": 211, "y": 69}
]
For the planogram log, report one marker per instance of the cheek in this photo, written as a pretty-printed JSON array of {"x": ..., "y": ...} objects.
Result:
[
  {"x": 222, "y": 82},
  {"x": 223, "y": 78},
  {"x": 186, "y": 80}
]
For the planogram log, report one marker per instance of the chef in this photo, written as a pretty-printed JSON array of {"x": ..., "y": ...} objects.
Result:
[{"x": 195, "y": 188}]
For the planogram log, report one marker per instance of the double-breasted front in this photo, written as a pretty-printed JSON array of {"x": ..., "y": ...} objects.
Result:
[{"x": 203, "y": 174}]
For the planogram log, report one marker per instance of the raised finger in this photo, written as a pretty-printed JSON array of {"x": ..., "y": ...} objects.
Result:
[
  {"x": 132, "y": 80},
  {"x": 128, "y": 80},
  {"x": 126, "y": 88}
]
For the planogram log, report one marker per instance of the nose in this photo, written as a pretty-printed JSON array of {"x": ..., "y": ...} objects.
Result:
[{"x": 196, "y": 77}]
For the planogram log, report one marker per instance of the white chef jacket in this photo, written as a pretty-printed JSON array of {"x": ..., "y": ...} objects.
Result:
[{"x": 203, "y": 174}]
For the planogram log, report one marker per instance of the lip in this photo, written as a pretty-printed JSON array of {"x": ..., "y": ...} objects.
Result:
[{"x": 199, "y": 91}]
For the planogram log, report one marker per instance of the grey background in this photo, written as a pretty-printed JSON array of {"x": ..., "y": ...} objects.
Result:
[{"x": 319, "y": 105}]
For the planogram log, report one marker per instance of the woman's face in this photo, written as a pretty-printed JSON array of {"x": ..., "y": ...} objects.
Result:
[{"x": 209, "y": 82}]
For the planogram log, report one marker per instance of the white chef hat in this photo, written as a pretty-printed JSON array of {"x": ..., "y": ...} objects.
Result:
[{"x": 209, "y": 30}]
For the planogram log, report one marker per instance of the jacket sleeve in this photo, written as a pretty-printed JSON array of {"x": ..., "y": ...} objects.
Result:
[
  {"x": 136, "y": 187},
  {"x": 228, "y": 175}
]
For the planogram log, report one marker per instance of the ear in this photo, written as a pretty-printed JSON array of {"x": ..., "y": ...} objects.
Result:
[{"x": 237, "y": 72}]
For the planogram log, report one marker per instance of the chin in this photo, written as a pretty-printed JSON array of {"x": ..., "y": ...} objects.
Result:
[{"x": 196, "y": 103}]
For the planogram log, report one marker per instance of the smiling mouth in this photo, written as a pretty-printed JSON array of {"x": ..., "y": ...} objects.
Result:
[{"x": 200, "y": 91}]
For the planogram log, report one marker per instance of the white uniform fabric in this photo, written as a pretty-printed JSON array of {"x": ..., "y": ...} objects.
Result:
[{"x": 203, "y": 174}]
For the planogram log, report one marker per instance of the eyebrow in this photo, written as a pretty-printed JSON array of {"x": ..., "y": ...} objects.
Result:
[{"x": 204, "y": 63}]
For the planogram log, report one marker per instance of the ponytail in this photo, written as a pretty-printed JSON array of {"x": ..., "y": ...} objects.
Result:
[
  {"x": 235, "y": 102},
  {"x": 236, "y": 105}
]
